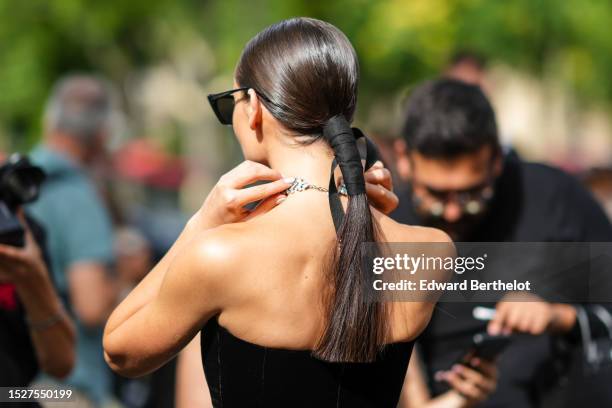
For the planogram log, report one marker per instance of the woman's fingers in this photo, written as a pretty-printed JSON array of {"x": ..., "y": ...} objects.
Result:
[
  {"x": 382, "y": 199},
  {"x": 379, "y": 175},
  {"x": 379, "y": 188},
  {"x": 267, "y": 204},
  {"x": 248, "y": 172},
  {"x": 262, "y": 191},
  {"x": 227, "y": 200},
  {"x": 226, "y": 203}
]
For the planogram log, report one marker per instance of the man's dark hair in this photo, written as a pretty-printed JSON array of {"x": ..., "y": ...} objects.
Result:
[{"x": 446, "y": 118}]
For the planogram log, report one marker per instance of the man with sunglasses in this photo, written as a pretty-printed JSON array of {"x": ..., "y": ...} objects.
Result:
[{"x": 461, "y": 181}]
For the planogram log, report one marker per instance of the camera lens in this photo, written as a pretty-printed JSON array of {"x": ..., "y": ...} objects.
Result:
[{"x": 22, "y": 185}]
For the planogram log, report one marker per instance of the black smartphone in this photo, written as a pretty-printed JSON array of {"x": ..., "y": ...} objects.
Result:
[{"x": 486, "y": 347}]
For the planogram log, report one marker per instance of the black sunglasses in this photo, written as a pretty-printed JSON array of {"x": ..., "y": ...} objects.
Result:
[{"x": 223, "y": 104}]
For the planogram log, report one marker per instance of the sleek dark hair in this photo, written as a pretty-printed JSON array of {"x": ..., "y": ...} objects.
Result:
[
  {"x": 307, "y": 72},
  {"x": 446, "y": 118}
]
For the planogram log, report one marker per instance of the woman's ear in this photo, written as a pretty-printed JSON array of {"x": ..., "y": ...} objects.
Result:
[{"x": 254, "y": 108}]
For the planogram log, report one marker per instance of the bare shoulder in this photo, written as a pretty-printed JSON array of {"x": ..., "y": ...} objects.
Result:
[
  {"x": 396, "y": 232},
  {"x": 214, "y": 259},
  {"x": 411, "y": 318},
  {"x": 212, "y": 249}
]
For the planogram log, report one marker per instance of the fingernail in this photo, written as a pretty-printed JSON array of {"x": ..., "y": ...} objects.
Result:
[
  {"x": 457, "y": 368},
  {"x": 280, "y": 199},
  {"x": 289, "y": 180},
  {"x": 439, "y": 376}
]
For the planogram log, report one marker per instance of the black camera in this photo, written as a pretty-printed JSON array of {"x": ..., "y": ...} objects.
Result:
[{"x": 20, "y": 183}]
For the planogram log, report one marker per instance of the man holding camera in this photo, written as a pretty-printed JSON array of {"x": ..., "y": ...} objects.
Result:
[
  {"x": 79, "y": 230},
  {"x": 462, "y": 182},
  {"x": 35, "y": 331}
]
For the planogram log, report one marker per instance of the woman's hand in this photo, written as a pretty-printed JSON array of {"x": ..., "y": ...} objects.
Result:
[
  {"x": 472, "y": 384},
  {"x": 224, "y": 204},
  {"x": 227, "y": 200},
  {"x": 379, "y": 188}
]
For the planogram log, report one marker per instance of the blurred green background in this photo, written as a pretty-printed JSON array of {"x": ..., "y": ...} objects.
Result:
[{"x": 159, "y": 53}]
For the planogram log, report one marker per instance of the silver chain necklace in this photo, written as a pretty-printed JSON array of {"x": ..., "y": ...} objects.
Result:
[{"x": 299, "y": 184}]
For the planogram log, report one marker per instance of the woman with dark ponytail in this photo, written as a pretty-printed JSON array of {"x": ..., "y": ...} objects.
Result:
[{"x": 279, "y": 293}]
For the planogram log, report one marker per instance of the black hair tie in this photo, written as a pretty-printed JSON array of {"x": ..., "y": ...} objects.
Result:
[{"x": 337, "y": 131}]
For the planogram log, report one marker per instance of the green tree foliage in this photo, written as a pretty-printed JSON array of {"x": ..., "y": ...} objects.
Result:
[{"x": 399, "y": 41}]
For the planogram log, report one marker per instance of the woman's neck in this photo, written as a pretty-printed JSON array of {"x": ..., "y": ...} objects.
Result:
[{"x": 310, "y": 162}]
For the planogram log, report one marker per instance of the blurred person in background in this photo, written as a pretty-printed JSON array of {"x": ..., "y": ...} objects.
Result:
[
  {"x": 35, "y": 330},
  {"x": 462, "y": 182},
  {"x": 79, "y": 230},
  {"x": 132, "y": 262},
  {"x": 36, "y": 333},
  {"x": 468, "y": 386},
  {"x": 467, "y": 66},
  {"x": 133, "y": 258}
]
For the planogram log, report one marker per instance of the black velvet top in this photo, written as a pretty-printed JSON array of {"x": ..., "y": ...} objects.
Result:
[{"x": 242, "y": 374}]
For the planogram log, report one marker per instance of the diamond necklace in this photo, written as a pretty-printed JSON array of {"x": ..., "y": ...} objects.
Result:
[{"x": 299, "y": 184}]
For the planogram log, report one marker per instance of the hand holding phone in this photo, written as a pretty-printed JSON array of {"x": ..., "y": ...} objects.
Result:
[
  {"x": 472, "y": 383},
  {"x": 485, "y": 347}
]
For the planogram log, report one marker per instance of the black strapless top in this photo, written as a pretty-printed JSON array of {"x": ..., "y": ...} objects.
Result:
[{"x": 242, "y": 374}]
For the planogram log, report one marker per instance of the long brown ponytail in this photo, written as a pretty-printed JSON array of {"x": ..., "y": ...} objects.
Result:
[{"x": 307, "y": 71}]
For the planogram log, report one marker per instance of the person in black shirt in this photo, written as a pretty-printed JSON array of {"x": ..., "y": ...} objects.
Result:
[
  {"x": 464, "y": 183},
  {"x": 35, "y": 332}
]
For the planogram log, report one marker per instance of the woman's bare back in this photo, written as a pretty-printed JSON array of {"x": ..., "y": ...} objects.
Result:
[{"x": 280, "y": 260}]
